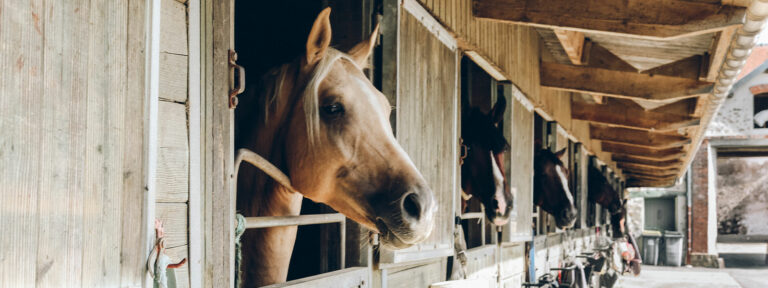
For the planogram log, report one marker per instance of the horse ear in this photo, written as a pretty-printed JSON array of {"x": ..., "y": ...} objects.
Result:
[
  {"x": 319, "y": 38},
  {"x": 362, "y": 50},
  {"x": 497, "y": 113},
  {"x": 560, "y": 153}
]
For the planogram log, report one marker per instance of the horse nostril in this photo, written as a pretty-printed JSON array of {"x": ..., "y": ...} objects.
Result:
[{"x": 412, "y": 206}]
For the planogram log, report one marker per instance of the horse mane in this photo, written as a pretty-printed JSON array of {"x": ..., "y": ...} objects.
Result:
[{"x": 274, "y": 79}]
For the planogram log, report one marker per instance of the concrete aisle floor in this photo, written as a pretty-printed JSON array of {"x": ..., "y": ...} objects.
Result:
[{"x": 676, "y": 277}]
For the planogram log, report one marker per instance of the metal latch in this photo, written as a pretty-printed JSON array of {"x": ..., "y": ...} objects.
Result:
[{"x": 239, "y": 85}]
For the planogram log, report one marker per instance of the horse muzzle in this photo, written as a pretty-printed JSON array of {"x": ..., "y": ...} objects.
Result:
[
  {"x": 411, "y": 221},
  {"x": 566, "y": 219}
]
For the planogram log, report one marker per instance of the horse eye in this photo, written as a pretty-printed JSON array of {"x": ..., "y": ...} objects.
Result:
[{"x": 334, "y": 109}]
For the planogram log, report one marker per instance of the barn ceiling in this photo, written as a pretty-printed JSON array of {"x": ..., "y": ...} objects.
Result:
[{"x": 639, "y": 70}]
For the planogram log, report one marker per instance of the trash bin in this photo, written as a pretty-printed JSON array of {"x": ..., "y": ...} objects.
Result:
[
  {"x": 651, "y": 247},
  {"x": 673, "y": 248}
]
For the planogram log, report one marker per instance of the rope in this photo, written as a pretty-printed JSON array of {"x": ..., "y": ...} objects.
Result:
[{"x": 239, "y": 230}]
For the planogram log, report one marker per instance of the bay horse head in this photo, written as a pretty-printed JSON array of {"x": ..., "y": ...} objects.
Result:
[
  {"x": 482, "y": 171},
  {"x": 601, "y": 192},
  {"x": 327, "y": 127},
  {"x": 550, "y": 187}
]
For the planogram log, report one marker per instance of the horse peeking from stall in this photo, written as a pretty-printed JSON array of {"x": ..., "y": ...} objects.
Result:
[
  {"x": 482, "y": 167},
  {"x": 601, "y": 192},
  {"x": 323, "y": 124},
  {"x": 482, "y": 173},
  {"x": 550, "y": 187}
]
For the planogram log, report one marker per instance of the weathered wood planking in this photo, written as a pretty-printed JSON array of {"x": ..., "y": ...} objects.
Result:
[
  {"x": 133, "y": 222},
  {"x": 71, "y": 145},
  {"x": 218, "y": 142},
  {"x": 20, "y": 91},
  {"x": 182, "y": 273},
  {"x": 416, "y": 276},
  {"x": 481, "y": 263},
  {"x": 175, "y": 219},
  {"x": 512, "y": 268},
  {"x": 514, "y": 49},
  {"x": 520, "y": 136},
  {"x": 172, "y": 172},
  {"x": 173, "y": 77},
  {"x": 173, "y": 154},
  {"x": 173, "y": 28},
  {"x": 427, "y": 98},
  {"x": 358, "y": 277}
]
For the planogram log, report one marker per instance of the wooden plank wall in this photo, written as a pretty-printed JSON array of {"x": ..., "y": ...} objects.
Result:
[
  {"x": 515, "y": 51},
  {"x": 512, "y": 267},
  {"x": 481, "y": 263},
  {"x": 173, "y": 150},
  {"x": 427, "y": 98},
  {"x": 520, "y": 136},
  {"x": 421, "y": 275},
  {"x": 71, "y": 150}
]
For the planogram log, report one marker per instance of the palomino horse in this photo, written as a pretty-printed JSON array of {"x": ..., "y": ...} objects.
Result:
[
  {"x": 326, "y": 126},
  {"x": 601, "y": 192},
  {"x": 482, "y": 170},
  {"x": 550, "y": 187}
]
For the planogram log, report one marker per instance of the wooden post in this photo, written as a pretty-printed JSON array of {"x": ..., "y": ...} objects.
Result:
[
  {"x": 217, "y": 166},
  {"x": 390, "y": 55}
]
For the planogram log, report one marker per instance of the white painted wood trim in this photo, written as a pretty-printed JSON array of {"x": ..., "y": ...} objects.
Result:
[
  {"x": 567, "y": 134},
  {"x": 152, "y": 96},
  {"x": 487, "y": 66},
  {"x": 520, "y": 97},
  {"x": 195, "y": 141},
  {"x": 414, "y": 8}
]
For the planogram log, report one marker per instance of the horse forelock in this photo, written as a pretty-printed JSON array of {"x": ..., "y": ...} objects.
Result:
[
  {"x": 309, "y": 92},
  {"x": 310, "y": 95}
]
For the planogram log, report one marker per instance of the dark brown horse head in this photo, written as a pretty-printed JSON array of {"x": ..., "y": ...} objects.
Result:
[
  {"x": 482, "y": 174},
  {"x": 601, "y": 192},
  {"x": 550, "y": 187},
  {"x": 334, "y": 140}
]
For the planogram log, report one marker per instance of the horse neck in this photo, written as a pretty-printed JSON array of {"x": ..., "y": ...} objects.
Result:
[
  {"x": 268, "y": 140},
  {"x": 266, "y": 198}
]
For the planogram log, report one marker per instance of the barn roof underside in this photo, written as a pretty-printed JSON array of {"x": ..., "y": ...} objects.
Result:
[{"x": 641, "y": 71}]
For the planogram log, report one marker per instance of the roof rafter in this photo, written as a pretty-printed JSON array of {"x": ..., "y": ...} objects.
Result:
[{"x": 654, "y": 19}]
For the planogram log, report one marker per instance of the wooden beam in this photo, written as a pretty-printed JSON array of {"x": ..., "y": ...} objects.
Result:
[
  {"x": 650, "y": 177},
  {"x": 689, "y": 68},
  {"x": 650, "y": 157},
  {"x": 653, "y": 19},
  {"x": 619, "y": 112},
  {"x": 718, "y": 52},
  {"x": 683, "y": 107},
  {"x": 637, "y": 150},
  {"x": 648, "y": 169},
  {"x": 634, "y": 182},
  {"x": 644, "y": 161},
  {"x": 597, "y": 56},
  {"x": 636, "y": 137},
  {"x": 620, "y": 84},
  {"x": 573, "y": 44}
]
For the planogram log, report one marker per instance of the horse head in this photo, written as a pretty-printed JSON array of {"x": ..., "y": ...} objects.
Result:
[
  {"x": 482, "y": 173},
  {"x": 601, "y": 192},
  {"x": 333, "y": 138},
  {"x": 550, "y": 187}
]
